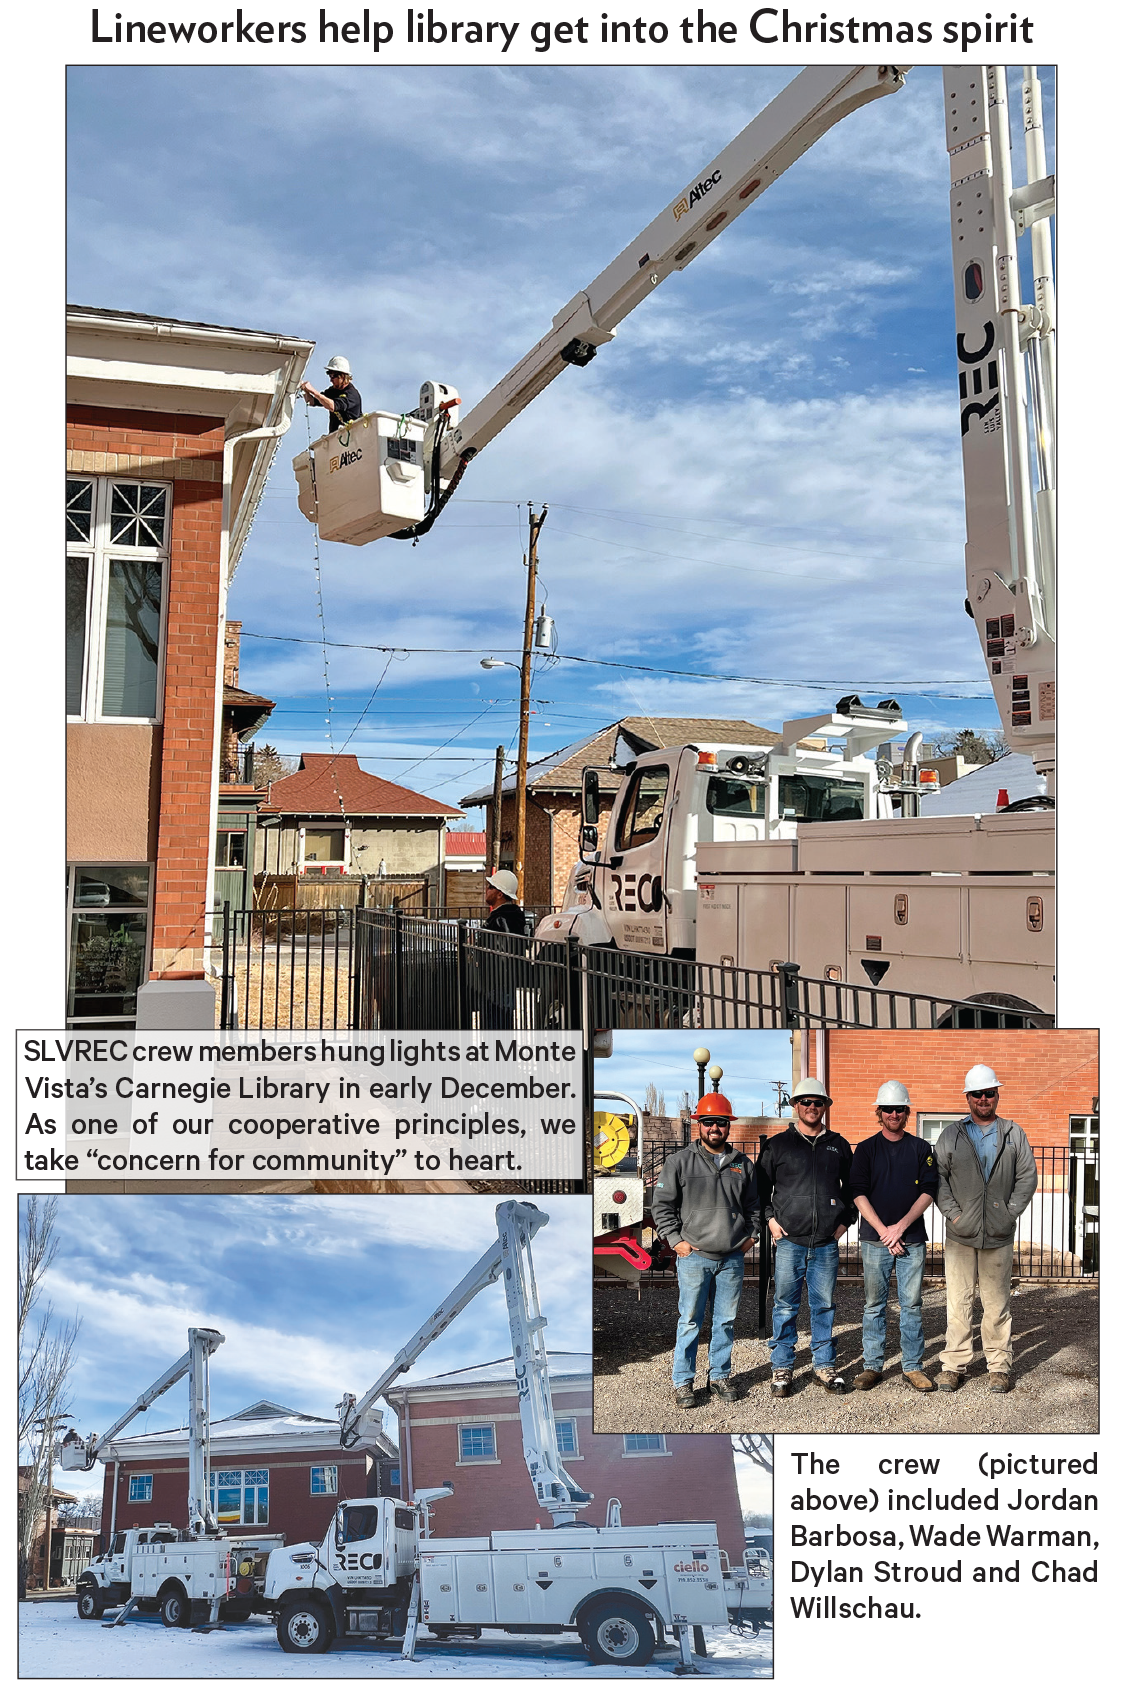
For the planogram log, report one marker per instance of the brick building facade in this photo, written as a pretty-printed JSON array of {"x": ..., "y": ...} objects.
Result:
[
  {"x": 1047, "y": 1077},
  {"x": 464, "y": 1428},
  {"x": 271, "y": 1467},
  {"x": 160, "y": 499}
]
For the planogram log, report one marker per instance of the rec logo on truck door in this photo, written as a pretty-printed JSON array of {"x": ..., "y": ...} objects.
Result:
[{"x": 633, "y": 891}]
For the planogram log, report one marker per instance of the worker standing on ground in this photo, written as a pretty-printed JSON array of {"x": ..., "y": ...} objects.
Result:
[
  {"x": 894, "y": 1182},
  {"x": 804, "y": 1181},
  {"x": 343, "y": 401},
  {"x": 706, "y": 1208},
  {"x": 500, "y": 976},
  {"x": 504, "y": 914},
  {"x": 986, "y": 1179}
]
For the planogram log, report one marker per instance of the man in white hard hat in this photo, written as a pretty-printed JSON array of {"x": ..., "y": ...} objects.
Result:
[
  {"x": 986, "y": 1179},
  {"x": 343, "y": 401},
  {"x": 894, "y": 1182},
  {"x": 500, "y": 975},
  {"x": 803, "y": 1177},
  {"x": 503, "y": 911}
]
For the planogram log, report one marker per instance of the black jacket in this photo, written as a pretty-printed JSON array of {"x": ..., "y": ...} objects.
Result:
[
  {"x": 507, "y": 917},
  {"x": 714, "y": 1209},
  {"x": 805, "y": 1186}
]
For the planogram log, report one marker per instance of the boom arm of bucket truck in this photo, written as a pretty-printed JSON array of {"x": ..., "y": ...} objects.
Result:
[
  {"x": 509, "y": 1257},
  {"x": 202, "y": 1342}
]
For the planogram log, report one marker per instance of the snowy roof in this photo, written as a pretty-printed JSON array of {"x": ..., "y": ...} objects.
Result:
[
  {"x": 263, "y": 1426},
  {"x": 976, "y": 792},
  {"x": 563, "y": 1365}
]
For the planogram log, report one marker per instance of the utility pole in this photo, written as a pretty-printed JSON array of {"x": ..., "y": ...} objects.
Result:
[
  {"x": 536, "y": 520},
  {"x": 495, "y": 848}
]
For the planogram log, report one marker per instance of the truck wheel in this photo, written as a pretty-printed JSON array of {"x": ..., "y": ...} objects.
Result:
[
  {"x": 91, "y": 1602},
  {"x": 618, "y": 1634},
  {"x": 175, "y": 1609},
  {"x": 305, "y": 1627}
]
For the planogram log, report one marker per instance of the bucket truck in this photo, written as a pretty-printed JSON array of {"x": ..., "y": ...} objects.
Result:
[
  {"x": 183, "y": 1573},
  {"x": 851, "y": 896},
  {"x": 377, "y": 1575}
]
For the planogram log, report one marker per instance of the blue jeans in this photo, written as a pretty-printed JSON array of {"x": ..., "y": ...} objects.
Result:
[
  {"x": 878, "y": 1264},
  {"x": 697, "y": 1276},
  {"x": 814, "y": 1267}
]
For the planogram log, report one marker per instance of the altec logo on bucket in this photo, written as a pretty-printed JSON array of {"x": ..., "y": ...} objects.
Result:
[
  {"x": 696, "y": 193},
  {"x": 347, "y": 458}
]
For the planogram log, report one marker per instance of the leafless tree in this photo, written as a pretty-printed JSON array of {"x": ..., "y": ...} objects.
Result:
[
  {"x": 654, "y": 1102},
  {"x": 269, "y": 764},
  {"x": 46, "y": 1357},
  {"x": 760, "y": 1448}
]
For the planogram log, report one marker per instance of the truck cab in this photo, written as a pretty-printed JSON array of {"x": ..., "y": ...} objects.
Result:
[
  {"x": 356, "y": 1582},
  {"x": 639, "y": 890}
]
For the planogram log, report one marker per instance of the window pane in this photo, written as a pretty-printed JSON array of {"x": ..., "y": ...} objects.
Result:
[
  {"x": 139, "y": 514},
  {"x": 644, "y": 1442},
  {"x": 132, "y": 639},
  {"x": 360, "y": 1522},
  {"x": 566, "y": 1438},
  {"x": 811, "y": 796},
  {"x": 111, "y": 887},
  {"x": 256, "y": 1477},
  {"x": 140, "y": 1489},
  {"x": 323, "y": 846},
  {"x": 643, "y": 819},
  {"x": 476, "y": 1442},
  {"x": 108, "y": 960},
  {"x": 230, "y": 849},
  {"x": 229, "y": 1504},
  {"x": 77, "y": 594},
  {"x": 79, "y": 510},
  {"x": 740, "y": 798},
  {"x": 262, "y": 1506}
]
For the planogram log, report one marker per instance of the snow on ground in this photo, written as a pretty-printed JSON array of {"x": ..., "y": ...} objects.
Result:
[{"x": 53, "y": 1641}]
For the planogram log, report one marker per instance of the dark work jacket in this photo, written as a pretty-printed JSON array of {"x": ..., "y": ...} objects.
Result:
[
  {"x": 347, "y": 406},
  {"x": 714, "y": 1209},
  {"x": 507, "y": 917},
  {"x": 805, "y": 1185}
]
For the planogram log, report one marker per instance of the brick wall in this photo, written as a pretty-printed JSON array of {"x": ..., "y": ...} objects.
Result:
[
  {"x": 293, "y": 1509},
  {"x": 696, "y": 1481},
  {"x": 187, "y": 451},
  {"x": 1046, "y": 1076}
]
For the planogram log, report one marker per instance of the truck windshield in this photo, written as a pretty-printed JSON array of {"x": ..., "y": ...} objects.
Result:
[
  {"x": 360, "y": 1522},
  {"x": 641, "y": 819},
  {"x": 814, "y": 796},
  {"x": 741, "y": 798}
]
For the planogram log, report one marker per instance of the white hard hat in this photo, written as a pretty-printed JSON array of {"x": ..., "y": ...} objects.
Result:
[
  {"x": 809, "y": 1088},
  {"x": 893, "y": 1095},
  {"x": 505, "y": 882},
  {"x": 980, "y": 1078},
  {"x": 339, "y": 363}
]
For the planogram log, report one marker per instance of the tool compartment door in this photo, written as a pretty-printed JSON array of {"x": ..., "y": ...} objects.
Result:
[{"x": 514, "y": 1600}]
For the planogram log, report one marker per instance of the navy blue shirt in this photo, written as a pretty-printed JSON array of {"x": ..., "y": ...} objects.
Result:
[
  {"x": 893, "y": 1175},
  {"x": 347, "y": 405}
]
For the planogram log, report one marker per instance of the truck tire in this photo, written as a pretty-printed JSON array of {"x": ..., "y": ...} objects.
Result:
[
  {"x": 91, "y": 1602},
  {"x": 305, "y": 1626},
  {"x": 618, "y": 1633},
  {"x": 175, "y": 1608}
]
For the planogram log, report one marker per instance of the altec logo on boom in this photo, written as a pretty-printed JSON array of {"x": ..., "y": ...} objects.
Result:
[{"x": 696, "y": 193}]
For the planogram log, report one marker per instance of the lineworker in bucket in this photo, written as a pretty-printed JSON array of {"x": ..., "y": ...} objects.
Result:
[{"x": 343, "y": 402}]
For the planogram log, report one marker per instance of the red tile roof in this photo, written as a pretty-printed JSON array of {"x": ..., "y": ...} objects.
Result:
[{"x": 336, "y": 785}]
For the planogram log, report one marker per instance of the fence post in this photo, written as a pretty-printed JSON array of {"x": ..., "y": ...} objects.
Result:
[
  {"x": 791, "y": 1000},
  {"x": 764, "y": 1255},
  {"x": 223, "y": 1018},
  {"x": 462, "y": 988},
  {"x": 398, "y": 931}
]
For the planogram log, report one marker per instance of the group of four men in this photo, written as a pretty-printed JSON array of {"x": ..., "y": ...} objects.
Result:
[{"x": 810, "y": 1187}]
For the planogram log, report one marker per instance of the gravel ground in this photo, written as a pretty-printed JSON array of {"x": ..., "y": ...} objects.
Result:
[{"x": 1054, "y": 1342}]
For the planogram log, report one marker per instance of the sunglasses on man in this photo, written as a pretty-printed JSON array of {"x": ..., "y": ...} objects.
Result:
[
  {"x": 715, "y": 1121},
  {"x": 980, "y": 1094},
  {"x": 812, "y": 1102}
]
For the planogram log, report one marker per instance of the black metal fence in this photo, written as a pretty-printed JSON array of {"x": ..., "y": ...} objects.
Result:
[
  {"x": 371, "y": 968},
  {"x": 1058, "y": 1236}
]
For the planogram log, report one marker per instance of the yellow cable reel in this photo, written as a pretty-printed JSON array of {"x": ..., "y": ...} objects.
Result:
[{"x": 612, "y": 1138}]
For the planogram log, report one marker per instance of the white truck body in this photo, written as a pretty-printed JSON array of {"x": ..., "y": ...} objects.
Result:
[
  {"x": 159, "y": 1569},
  {"x": 957, "y": 906}
]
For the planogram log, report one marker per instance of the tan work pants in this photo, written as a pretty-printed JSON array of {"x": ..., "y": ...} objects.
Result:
[{"x": 988, "y": 1273}]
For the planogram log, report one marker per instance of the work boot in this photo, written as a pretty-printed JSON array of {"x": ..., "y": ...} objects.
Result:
[
  {"x": 725, "y": 1391},
  {"x": 949, "y": 1380},
  {"x": 782, "y": 1380},
  {"x": 920, "y": 1382},
  {"x": 831, "y": 1380},
  {"x": 867, "y": 1379},
  {"x": 684, "y": 1396},
  {"x": 1000, "y": 1381}
]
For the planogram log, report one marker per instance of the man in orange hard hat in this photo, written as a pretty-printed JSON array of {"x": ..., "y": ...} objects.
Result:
[{"x": 706, "y": 1208}]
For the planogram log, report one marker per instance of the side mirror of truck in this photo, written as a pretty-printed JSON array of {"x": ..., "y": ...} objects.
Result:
[
  {"x": 590, "y": 800},
  {"x": 589, "y": 840}
]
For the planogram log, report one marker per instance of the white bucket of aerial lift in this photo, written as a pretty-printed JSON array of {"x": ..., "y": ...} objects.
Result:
[{"x": 365, "y": 480}]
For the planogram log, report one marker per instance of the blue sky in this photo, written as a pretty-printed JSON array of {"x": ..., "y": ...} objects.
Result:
[
  {"x": 750, "y": 1060},
  {"x": 760, "y": 476},
  {"x": 315, "y": 1296}
]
